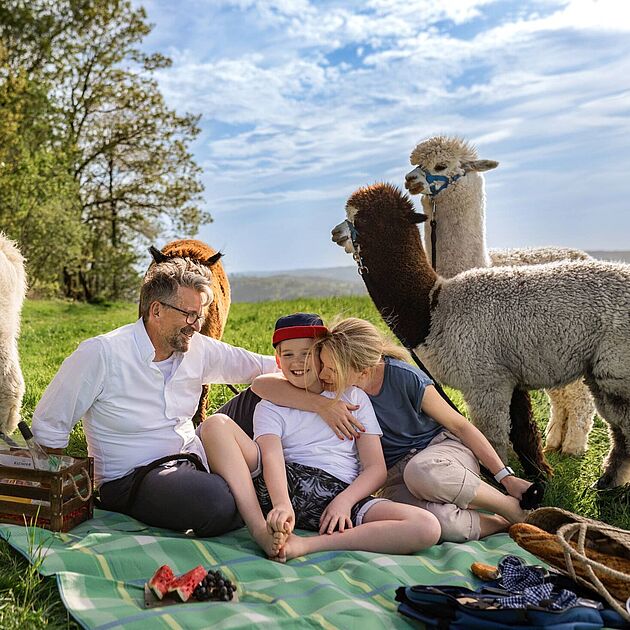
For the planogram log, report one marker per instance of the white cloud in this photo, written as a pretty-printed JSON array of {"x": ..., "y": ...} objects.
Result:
[{"x": 313, "y": 98}]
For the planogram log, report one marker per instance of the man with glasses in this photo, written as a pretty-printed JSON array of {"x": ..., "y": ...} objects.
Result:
[{"x": 137, "y": 389}]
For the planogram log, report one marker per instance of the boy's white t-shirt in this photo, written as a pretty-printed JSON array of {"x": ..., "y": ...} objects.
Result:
[{"x": 307, "y": 439}]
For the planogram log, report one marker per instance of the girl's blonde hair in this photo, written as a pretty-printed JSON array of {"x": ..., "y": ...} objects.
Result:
[{"x": 355, "y": 345}]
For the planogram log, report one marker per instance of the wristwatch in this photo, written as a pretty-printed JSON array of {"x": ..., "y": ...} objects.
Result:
[{"x": 506, "y": 471}]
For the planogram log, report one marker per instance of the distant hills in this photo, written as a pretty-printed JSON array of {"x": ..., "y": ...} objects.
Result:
[
  {"x": 329, "y": 281},
  {"x": 617, "y": 256},
  {"x": 287, "y": 285}
]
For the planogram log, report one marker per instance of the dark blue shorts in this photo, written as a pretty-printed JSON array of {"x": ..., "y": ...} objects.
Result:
[{"x": 311, "y": 490}]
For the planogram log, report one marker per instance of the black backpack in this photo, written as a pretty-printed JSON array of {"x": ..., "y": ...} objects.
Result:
[{"x": 459, "y": 608}]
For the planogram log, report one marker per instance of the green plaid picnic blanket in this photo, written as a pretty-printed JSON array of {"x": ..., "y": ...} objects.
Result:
[{"x": 102, "y": 565}]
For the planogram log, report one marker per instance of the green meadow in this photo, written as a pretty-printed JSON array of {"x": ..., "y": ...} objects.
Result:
[{"x": 51, "y": 330}]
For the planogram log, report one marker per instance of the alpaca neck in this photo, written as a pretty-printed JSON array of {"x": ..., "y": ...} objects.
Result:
[
  {"x": 461, "y": 227},
  {"x": 399, "y": 280}
]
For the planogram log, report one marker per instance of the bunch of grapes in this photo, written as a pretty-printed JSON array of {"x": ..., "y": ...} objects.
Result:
[{"x": 215, "y": 586}]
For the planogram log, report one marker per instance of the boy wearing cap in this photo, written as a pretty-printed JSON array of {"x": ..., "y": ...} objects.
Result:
[{"x": 310, "y": 479}]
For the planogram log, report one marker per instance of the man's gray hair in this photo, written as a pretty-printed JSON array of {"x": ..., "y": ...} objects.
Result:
[{"x": 163, "y": 280}]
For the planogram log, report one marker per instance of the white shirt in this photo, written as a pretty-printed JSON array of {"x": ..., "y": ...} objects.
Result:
[
  {"x": 131, "y": 417},
  {"x": 307, "y": 439},
  {"x": 166, "y": 367}
]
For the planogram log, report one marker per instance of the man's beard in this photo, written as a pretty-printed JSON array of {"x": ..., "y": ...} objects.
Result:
[{"x": 179, "y": 341}]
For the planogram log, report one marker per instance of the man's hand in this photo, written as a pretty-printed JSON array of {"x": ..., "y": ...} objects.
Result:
[
  {"x": 339, "y": 417},
  {"x": 515, "y": 486},
  {"x": 281, "y": 519},
  {"x": 336, "y": 516}
]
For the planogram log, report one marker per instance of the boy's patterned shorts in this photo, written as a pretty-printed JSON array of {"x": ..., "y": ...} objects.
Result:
[{"x": 311, "y": 490}]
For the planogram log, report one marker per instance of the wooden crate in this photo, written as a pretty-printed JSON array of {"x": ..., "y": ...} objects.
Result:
[{"x": 54, "y": 500}]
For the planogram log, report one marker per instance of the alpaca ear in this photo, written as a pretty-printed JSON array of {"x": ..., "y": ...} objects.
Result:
[
  {"x": 157, "y": 255},
  {"x": 478, "y": 166},
  {"x": 418, "y": 217},
  {"x": 213, "y": 260}
]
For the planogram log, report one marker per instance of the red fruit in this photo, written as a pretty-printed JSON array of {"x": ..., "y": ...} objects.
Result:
[
  {"x": 161, "y": 581},
  {"x": 184, "y": 585}
]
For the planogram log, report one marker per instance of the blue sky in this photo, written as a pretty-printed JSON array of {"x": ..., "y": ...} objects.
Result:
[{"x": 303, "y": 101}]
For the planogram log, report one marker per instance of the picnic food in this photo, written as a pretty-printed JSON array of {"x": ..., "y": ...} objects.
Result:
[
  {"x": 198, "y": 583},
  {"x": 215, "y": 586},
  {"x": 484, "y": 571},
  {"x": 184, "y": 585},
  {"x": 161, "y": 580},
  {"x": 547, "y": 547}
]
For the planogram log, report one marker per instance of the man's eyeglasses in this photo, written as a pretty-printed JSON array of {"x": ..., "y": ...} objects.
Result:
[{"x": 191, "y": 317}]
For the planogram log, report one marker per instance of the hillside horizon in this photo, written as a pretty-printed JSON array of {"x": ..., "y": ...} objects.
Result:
[{"x": 262, "y": 286}]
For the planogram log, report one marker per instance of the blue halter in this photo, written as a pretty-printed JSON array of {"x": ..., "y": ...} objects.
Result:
[{"x": 443, "y": 180}]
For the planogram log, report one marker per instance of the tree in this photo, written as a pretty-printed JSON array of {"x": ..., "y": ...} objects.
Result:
[
  {"x": 125, "y": 150},
  {"x": 39, "y": 202}
]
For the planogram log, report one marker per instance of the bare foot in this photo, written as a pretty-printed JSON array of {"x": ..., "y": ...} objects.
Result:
[
  {"x": 271, "y": 543},
  {"x": 294, "y": 547},
  {"x": 279, "y": 541}
]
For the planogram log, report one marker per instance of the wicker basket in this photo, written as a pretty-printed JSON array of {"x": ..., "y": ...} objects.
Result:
[
  {"x": 57, "y": 501},
  {"x": 591, "y": 552}
]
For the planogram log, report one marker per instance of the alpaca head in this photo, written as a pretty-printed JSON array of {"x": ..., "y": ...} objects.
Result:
[
  {"x": 377, "y": 211},
  {"x": 186, "y": 248},
  {"x": 442, "y": 160},
  {"x": 197, "y": 255},
  {"x": 205, "y": 260}
]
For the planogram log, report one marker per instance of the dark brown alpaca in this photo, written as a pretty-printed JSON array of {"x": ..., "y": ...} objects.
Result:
[
  {"x": 407, "y": 293},
  {"x": 217, "y": 311}
]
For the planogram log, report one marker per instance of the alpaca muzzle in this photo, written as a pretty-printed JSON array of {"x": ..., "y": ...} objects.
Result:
[
  {"x": 342, "y": 236},
  {"x": 422, "y": 181},
  {"x": 414, "y": 182}
]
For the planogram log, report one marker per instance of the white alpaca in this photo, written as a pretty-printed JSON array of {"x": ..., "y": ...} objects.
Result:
[
  {"x": 461, "y": 245},
  {"x": 12, "y": 292},
  {"x": 477, "y": 333}
]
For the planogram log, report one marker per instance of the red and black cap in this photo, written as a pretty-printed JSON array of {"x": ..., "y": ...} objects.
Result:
[{"x": 298, "y": 326}]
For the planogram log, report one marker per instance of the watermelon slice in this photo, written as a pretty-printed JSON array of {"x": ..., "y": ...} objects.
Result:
[
  {"x": 184, "y": 585},
  {"x": 161, "y": 580}
]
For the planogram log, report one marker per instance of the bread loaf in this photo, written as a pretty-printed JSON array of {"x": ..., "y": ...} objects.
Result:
[
  {"x": 484, "y": 571},
  {"x": 547, "y": 547}
]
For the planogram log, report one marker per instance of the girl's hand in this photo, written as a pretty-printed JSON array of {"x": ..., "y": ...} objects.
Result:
[
  {"x": 336, "y": 515},
  {"x": 281, "y": 519},
  {"x": 515, "y": 486},
  {"x": 338, "y": 416}
]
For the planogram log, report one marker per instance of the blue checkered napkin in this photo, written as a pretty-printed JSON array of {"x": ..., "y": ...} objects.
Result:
[
  {"x": 527, "y": 583},
  {"x": 517, "y": 576}
]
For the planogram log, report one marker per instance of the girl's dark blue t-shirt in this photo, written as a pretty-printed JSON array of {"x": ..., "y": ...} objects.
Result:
[{"x": 397, "y": 406}]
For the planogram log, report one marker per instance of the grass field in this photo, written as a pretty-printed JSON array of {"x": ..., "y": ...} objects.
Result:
[{"x": 52, "y": 330}]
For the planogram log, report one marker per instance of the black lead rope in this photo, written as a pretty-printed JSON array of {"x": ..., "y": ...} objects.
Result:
[
  {"x": 366, "y": 279},
  {"x": 533, "y": 496},
  {"x": 433, "y": 224},
  {"x": 436, "y": 383}
]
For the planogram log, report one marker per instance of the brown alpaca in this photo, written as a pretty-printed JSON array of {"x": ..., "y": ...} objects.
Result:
[
  {"x": 217, "y": 311},
  {"x": 407, "y": 301},
  {"x": 476, "y": 333}
]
